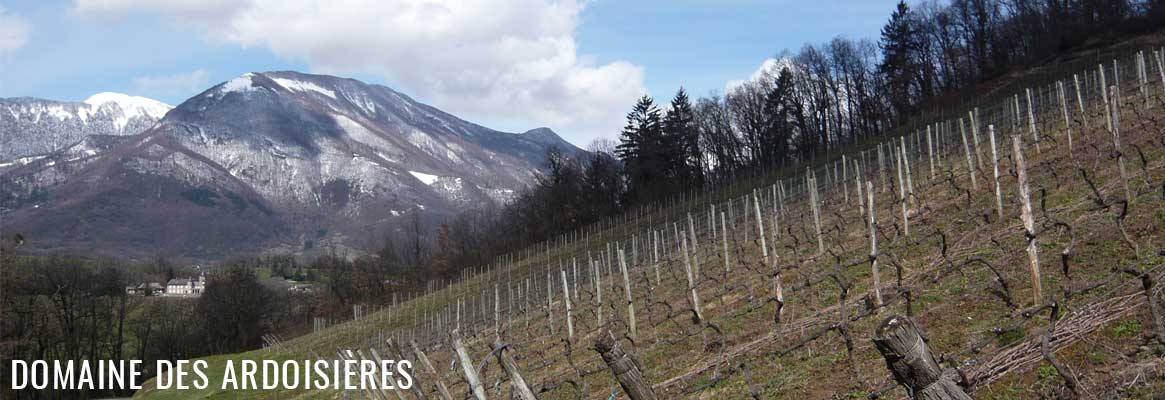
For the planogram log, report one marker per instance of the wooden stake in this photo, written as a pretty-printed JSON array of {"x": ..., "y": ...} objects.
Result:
[
  {"x": 1064, "y": 112},
  {"x": 873, "y": 224},
  {"x": 630, "y": 298},
  {"x": 516, "y": 381},
  {"x": 467, "y": 367},
  {"x": 566, "y": 300},
  {"x": 598, "y": 293},
  {"x": 909, "y": 358},
  {"x": 695, "y": 296},
  {"x": 930, "y": 151},
  {"x": 625, "y": 368},
  {"x": 760, "y": 227},
  {"x": 1104, "y": 96},
  {"x": 1116, "y": 143},
  {"x": 967, "y": 152},
  {"x": 1028, "y": 217},
  {"x": 724, "y": 241},
  {"x": 1080, "y": 98},
  {"x": 902, "y": 195},
  {"x": 1031, "y": 121},
  {"x": 428, "y": 367},
  {"x": 995, "y": 173}
]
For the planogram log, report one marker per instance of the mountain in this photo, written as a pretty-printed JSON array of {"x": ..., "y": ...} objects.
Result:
[
  {"x": 30, "y": 126},
  {"x": 274, "y": 160}
]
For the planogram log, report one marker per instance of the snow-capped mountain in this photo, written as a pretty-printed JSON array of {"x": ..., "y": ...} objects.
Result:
[
  {"x": 30, "y": 126},
  {"x": 267, "y": 160}
]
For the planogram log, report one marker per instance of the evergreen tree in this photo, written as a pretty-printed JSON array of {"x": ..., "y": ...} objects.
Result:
[
  {"x": 778, "y": 105},
  {"x": 640, "y": 150},
  {"x": 898, "y": 63},
  {"x": 681, "y": 140}
]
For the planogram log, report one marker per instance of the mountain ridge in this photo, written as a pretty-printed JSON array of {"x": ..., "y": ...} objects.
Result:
[{"x": 316, "y": 159}]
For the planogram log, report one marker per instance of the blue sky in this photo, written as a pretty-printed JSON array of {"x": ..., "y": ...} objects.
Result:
[{"x": 507, "y": 64}]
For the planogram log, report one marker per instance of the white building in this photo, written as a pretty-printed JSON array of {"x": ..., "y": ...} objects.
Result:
[{"x": 186, "y": 287}]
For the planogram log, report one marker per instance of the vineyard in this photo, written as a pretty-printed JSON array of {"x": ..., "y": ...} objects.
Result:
[{"x": 1023, "y": 234}]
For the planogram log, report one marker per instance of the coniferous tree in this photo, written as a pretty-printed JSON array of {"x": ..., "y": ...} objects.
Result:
[
  {"x": 640, "y": 148},
  {"x": 898, "y": 62},
  {"x": 682, "y": 140},
  {"x": 778, "y": 129}
]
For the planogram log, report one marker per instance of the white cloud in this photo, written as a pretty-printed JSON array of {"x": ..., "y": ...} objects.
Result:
[
  {"x": 767, "y": 71},
  {"x": 13, "y": 31},
  {"x": 182, "y": 84},
  {"x": 514, "y": 60}
]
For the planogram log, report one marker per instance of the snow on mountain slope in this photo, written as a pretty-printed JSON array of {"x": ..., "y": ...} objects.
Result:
[
  {"x": 30, "y": 126},
  {"x": 301, "y": 153}
]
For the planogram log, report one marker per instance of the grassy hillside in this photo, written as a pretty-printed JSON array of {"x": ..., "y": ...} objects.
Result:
[{"x": 962, "y": 272}]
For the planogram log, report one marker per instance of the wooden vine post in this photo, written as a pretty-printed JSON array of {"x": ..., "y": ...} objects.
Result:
[
  {"x": 428, "y": 367},
  {"x": 1064, "y": 113},
  {"x": 724, "y": 242},
  {"x": 902, "y": 196},
  {"x": 516, "y": 381},
  {"x": 910, "y": 361},
  {"x": 630, "y": 298},
  {"x": 967, "y": 153},
  {"x": 694, "y": 297},
  {"x": 873, "y": 223},
  {"x": 1031, "y": 121},
  {"x": 467, "y": 367},
  {"x": 995, "y": 172},
  {"x": 760, "y": 227},
  {"x": 626, "y": 369},
  {"x": 1104, "y": 97},
  {"x": 974, "y": 116},
  {"x": 598, "y": 291},
  {"x": 1029, "y": 220},
  {"x": 1116, "y": 143},
  {"x": 812, "y": 182},
  {"x": 569, "y": 312}
]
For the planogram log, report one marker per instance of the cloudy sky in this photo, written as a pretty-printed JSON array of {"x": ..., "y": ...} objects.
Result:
[{"x": 574, "y": 66}]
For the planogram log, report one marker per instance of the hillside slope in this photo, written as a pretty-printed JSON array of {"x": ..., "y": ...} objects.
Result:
[{"x": 949, "y": 257}]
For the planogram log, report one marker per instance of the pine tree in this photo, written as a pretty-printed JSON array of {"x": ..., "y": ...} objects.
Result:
[
  {"x": 898, "y": 44},
  {"x": 778, "y": 105},
  {"x": 681, "y": 140},
  {"x": 639, "y": 149}
]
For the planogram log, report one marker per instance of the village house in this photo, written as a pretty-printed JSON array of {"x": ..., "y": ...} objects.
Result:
[
  {"x": 183, "y": 287},
  {"x": 145, "y": 289}
]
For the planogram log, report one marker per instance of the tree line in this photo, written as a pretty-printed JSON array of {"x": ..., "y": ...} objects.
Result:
[{"x": 820, "y": 99}]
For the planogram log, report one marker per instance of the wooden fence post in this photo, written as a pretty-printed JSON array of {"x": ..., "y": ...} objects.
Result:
[
  {"x": 911, "y": 363},
  {"x": 626, "y": 369},
  {"x": 1080, "y": 98}
]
